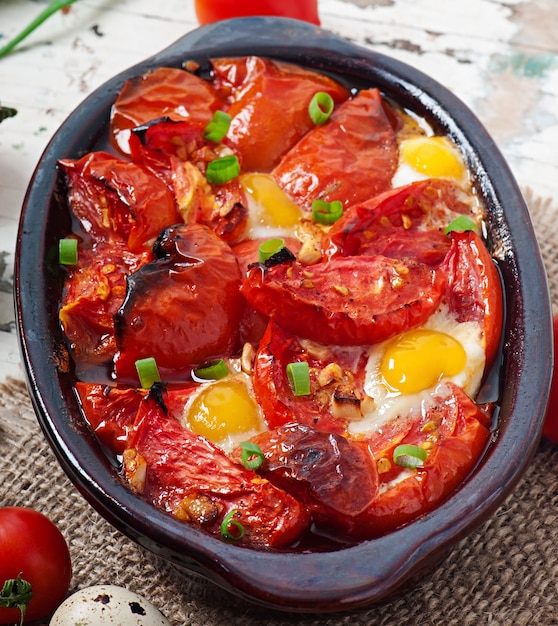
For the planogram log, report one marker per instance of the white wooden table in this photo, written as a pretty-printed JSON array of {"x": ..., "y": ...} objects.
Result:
[{"x": 499, "y": 56}]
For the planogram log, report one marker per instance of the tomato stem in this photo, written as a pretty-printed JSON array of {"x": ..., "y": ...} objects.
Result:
[
  {"x": 16, "y": 594},
  {"x": 52, "y": 7}
]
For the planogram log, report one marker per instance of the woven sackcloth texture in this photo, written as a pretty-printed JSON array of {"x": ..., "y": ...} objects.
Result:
[{"x": 506, "y": 572}]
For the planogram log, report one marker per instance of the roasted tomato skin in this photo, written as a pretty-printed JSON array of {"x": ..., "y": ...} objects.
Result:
[
  {"x": 269, "y": 106},
  {"x": 463, "y": 435},
  {"x": 115, "y": 200},
  {"x": 182, "y": 309},
  {"x": 473, "y": 289},
  {"x": 335, "y": 478},
  {"x": 406, "y": 222},
  {"x": 330, "y": 300},
  {"x": 162, "y": 93},
  {"x": 192, "y": 479},
  {"x": 280, "y": 406},
  {"x": 110, "y": 412},
  {"x": 350, "y": 158},
  {"x": 93, "y": 291}
]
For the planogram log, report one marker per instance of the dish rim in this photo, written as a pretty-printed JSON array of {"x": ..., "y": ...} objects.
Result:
[{"x": 312, "y": 584}]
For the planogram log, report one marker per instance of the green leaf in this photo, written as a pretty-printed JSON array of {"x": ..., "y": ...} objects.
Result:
[{"x": 16, "y": 594}]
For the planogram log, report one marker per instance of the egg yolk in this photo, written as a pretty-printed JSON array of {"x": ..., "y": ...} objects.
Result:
[
  {"x": 432, "y": 156},
  {"x": 223, "y": 409},
  {"x": 419, "y": 358},
  {"x": 272, "y": 207}
]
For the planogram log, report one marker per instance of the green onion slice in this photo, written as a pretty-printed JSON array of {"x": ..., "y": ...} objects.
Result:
[
  {"x": 408, "y": 455},
  {"x": 270, "y": 247},
  {"x": 321, "y": 107},
  {"x": 148, "y": 372},
  {"x": 68, "y": 251},
  {"x": 460, "y": 224},
  {"x": 251, "y": 456},
  {"x": 212, "y": 370},
  {"x": 231, "y": 528},
  {"x": 223, "y": 169},
  {"x": 325, "y": 212},
  {"x": 218, "y": 127},
  {"x": 298, "y": 374}
]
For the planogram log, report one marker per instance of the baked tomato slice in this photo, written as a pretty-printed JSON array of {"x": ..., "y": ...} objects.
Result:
[
  {"x": 183, "y": 308},
  {"x": 406, "y": 222},
  {"x": 455, "y": 432},
  {"x": 164, "y": 92},
  {"x": 179, "y": 155},
  {"x": 335, "y": 478},
  {"x": 336, "y": 382},
  {"x": 269, "y": 106},
  {"x": 350, "y": 158},
  {"x": 346, "y": 300},
  {"x": 474, "y": 288},
  {"x": 194, "y": 480},
  {"x": 110, "y": 412},
  {"x": 93, "y": 292},
  {"x": 115, "y": 200}
]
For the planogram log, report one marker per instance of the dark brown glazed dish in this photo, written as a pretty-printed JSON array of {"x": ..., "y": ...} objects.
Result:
[{"x": 372, "y": 570}]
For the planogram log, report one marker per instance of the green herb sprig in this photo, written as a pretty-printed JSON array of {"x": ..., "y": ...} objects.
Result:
[{"x": 50, "y": 9}]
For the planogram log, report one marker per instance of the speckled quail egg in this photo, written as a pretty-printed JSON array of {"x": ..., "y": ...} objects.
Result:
[{"x": 107, "y": 604}]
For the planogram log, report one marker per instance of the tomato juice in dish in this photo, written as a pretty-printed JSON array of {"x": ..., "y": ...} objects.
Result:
[{"x": 301, "y": 266}]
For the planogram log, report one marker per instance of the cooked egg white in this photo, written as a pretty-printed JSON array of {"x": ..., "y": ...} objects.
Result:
[
  {"x": 402, "y": 373},
  {"x": 225, "y": 412},
  {"x": 271, "y": 212},
  {"x": 424, "y": 157}
]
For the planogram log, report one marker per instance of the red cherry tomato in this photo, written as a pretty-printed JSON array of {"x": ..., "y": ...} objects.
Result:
[
  {"x": 208, "y": 11},
  {"x": 33, "y": 547},
  {"x": 550, "y": 428}
]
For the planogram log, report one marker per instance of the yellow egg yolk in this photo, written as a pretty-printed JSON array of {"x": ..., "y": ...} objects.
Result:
[
  {"x": 419, "y": 358},
  {"x": 223, "y": 409},
  {"x": 432, "y": 156},
  {"x": 271, "y": 207}
]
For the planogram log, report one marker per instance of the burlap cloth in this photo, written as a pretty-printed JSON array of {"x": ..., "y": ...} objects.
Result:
[{"x": 506, "y": 572}]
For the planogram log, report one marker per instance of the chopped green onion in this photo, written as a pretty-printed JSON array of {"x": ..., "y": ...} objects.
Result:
[
  {"x": 408, "y": 455},
  {"x": 251, "y": 456},
  {"x": 212, "y": 370},
  {"x": 223, "y": 169},
  {"x": 231, "y": 528},
  {"x": 218, "y": 127},
  {"x": 460, "y": 224},
  {"x": 320, "y": 107},
  {"x": 270, "y": 247},
  {"x": 325, "y": 212},
  {"x": 68, "y": 251},
  {"x": 298, "y": 374},
  {"x": 148, "y": 372}
]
